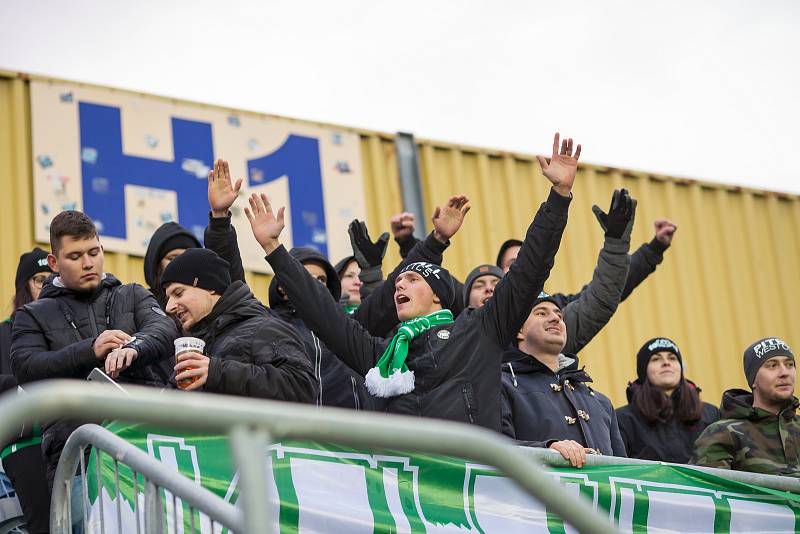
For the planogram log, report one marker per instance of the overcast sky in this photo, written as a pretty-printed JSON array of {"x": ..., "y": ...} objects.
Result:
[{"x": 706, "y": 90}]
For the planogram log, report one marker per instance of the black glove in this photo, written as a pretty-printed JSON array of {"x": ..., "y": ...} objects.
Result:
[
  {"x": 619, "y": 215},
  {"x": 367, "y": 253}
]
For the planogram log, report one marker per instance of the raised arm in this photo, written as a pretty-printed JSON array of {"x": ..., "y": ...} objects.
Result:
[
  {"x": 504, "y": 313},
  {"x": 220, "y": 235},
  {"x": 313, "y": 302},
  {"x": 369, "y": 256},
  {"x": 647, "y": 257},
  {"x": 598, "y": 300}
]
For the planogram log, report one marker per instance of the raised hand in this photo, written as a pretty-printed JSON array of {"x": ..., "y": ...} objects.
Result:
[
  {"x": 266, "y": 226},
  {"x": 402, "y": 226},
  {"x": 665, "y": 231},
  {"x": 562, "y": 167},
  {"x": 448, "y": 219},
  {"x": 367, "y": 253},
  {"x": 221, "y": 192},
  {"x": 618, "y": 221}
]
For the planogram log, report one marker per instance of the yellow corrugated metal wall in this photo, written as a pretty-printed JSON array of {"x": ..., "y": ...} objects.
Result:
[{"x": 730, "y": 277}]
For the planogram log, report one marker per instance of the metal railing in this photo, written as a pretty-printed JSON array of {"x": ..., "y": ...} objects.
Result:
[{"x": 252, "y": 424}]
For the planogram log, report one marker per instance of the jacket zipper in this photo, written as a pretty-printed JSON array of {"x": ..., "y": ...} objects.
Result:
[
  {"x": 318, "y": 366},
  {"x": 513, "y": 376},
  {"x": 356, "y": 402},
  {"x": 468, "y": 404}
]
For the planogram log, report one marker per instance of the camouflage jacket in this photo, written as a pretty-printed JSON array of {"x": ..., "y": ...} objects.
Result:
[{"x": 751, "y": 439}]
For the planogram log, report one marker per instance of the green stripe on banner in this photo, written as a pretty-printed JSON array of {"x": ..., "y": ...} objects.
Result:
[{"x": 323, "y": 487}]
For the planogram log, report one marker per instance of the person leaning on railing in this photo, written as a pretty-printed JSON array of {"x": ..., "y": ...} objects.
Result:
[
  {"x": 434, "y": 366},
  {"x": 759, "y": 430},
  {"x": 248, "y": 352}
]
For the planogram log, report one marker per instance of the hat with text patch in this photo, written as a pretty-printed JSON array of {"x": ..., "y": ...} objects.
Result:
[{"x": 759, "y": 352}]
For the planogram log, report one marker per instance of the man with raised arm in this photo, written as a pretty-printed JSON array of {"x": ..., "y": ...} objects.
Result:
[{"x": 434, "y": 366}]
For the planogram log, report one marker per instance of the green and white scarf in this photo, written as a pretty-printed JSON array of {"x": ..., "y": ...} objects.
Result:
[{"x": 390, "y": 376}]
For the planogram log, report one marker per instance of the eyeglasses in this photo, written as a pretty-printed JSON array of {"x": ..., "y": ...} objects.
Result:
[{"x": 38, "y": 281}]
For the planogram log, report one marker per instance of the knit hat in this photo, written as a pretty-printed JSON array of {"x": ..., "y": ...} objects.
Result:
[
  {"x": 657, "y": 344},
  {"x": 438, "y": 278},
  {"x": 31, "y": 263},
  {"x": 198, "y": 267},
  {"x": 759, "y": 352},
  {"x": 477, "y": 272},
  {"x": 505, "y": 246},
  {"x": 545, "y": 297}
]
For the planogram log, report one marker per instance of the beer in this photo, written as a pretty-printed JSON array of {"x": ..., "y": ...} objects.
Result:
[{"x": 188, "y": 344}]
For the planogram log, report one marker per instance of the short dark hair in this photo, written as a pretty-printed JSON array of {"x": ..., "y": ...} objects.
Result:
[
  {"x": 70, "y": 223},
  {"x": 655, "y": 406}
]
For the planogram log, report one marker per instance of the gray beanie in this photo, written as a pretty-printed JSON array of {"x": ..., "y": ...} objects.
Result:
[{"x": 759, "y": 352}]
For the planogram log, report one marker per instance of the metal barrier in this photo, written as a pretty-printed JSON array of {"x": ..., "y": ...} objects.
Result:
[{"x": 252, "y": 424}]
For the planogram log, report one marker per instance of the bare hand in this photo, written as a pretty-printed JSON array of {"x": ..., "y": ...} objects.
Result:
[
  {"x": 191, "y": 366},
  {"x": 665, "y": 230},
  {"x": 562, "y": 167},
  {"x": 109, "y": 340},
  {"x": 402, "y": 225},
  {"x": 265, "y": 225},
  {"x": 572, "y": 451},
  {"x": 221, "y": 194},
  {"x": 447, "y": 220},
  {"x": 119, "y": 360}
]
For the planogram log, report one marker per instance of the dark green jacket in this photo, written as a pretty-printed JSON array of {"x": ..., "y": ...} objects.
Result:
[{"x": 751, "y": 439}]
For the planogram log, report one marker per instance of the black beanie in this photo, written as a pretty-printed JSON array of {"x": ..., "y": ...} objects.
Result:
[
  {"x": 177, "y": 241},
  {"x": 477, "y": 272},
  {"x": 438, "y": 278},
  {"x": 198, "y": 267},
  {"x": 545, "y": 297},
  {"x": 31, "y": 263},
  {"x": 759, "y": 352},
  {"x": 657, "y": 344},
  {"x": 505, "y": 246}
]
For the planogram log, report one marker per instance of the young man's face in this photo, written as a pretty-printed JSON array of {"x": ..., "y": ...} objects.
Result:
[
  {"x": 413, "y": 297},
  {"x": 189, "y": 304},
  {"x": 664, "y": 370},
  {"x": 79, "y": 262},
  {"x": 482, "y": 290},
  {"x": 509, "y": 257},
  {"x": 774, "y": 383},
  {"x": 351, "y": 283},
  {"x": 544, "y": 331}
]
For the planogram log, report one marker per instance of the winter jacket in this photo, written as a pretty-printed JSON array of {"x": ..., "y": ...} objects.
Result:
[
  {"x": 155, "y": 252},
  {"x": 541, "y": 407},
  {"x": 670, "y": 441},
  {"x": 252, "y": 353},
  {"x": 52, "y": 337},
  {"x": 456, "y": 365},
  {"x": 751, "y": 439}
]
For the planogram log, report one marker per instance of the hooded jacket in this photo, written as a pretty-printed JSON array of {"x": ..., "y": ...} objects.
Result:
[
  {"x": 541, "y": 407},
  {"x": 456, "y": 365},
  {"x": 751, "y": 439},
  {"x": 53, "y": 336},
  {"x": 670, "y": 441},
  {"x": 252, "y": 353},
  {"x": 155, "y": 253}
]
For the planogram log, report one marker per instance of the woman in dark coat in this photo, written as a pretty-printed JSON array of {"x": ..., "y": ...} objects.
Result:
[{"x": 664, "y": 414}]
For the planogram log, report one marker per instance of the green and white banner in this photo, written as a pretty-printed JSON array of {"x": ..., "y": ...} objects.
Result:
[{"x": 324, "y": 488}]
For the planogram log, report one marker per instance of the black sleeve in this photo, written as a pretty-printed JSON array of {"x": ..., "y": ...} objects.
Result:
[
  {"x": 371, "y": 279},
  {"x": 406, "y": 245},
  {"x": 626, "y": 429},
  {"x": 5, "y": 347},
  {"x": 643, "y": 263},
  {"x": 32, "y": 360},
  {"x": 504, "y": 314},
  {"x": 155, "y": 332},
  {"x": 280, "y": 370},
  {"x": 345, "y": 337},
  {"x": 617, "y": 443},
  {"x": 378, "y": 313},
  {"x": 220, "y": 236}
]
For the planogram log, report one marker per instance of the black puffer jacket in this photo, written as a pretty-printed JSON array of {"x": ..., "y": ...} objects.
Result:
[
  {"x": 52, "y": 338},
  {"x": 456, "y": 366},
  {"x": 541, "y": 407},
  {"x": 671, "y": 441},
  {"x": 252, "y": 353}
]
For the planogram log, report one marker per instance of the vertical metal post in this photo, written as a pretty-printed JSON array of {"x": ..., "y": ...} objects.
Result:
[
  {"x": 153, "y": 509},
  {"x": 410, "y": 186},
  {"x": 249, "y": 446},
  {"x": 60, "y": 513}
]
